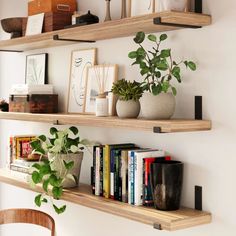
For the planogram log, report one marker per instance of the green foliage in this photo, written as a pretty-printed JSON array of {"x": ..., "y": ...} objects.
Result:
[
  {"x": 127, "y": 90},
  {"x": 61, "y": 142},
  {"x": 157, "y": 65}
]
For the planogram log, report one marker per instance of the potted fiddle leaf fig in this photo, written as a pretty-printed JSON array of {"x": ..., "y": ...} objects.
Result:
[
  {"x": 159, "y": 70},
  {"x": 128, "y": 93},
  {"x": 62, "y": 167}
]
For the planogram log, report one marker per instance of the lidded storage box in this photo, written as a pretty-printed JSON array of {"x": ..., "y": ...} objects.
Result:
[
  {"x": 43, "y": 6},
  {"x": 34, "y": 103}
]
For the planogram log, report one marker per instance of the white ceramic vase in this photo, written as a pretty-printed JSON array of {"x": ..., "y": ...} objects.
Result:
[
  {"x": 127, "y": 109},
  {"x": 157, "y": 107},
  {"x": 58, "y": 166},
  {"x": 175, "y": 5}
]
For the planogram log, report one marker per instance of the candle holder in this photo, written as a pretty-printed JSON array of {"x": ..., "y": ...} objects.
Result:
[{"x": 108, "y": 10}]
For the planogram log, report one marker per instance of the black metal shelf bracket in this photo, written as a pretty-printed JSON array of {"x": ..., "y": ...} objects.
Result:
[
  {"x": 57, "y": 38},
  {"x": 198, "y": 107},
  {"x": 157, "y": 226},
  {"x": 157, "y": 130},
  {"x": 2, "y": 50},
  {"x": 198, "y": 198},
  {"x": 56, "y": 122},
  {"x": 158, "y": 21}
]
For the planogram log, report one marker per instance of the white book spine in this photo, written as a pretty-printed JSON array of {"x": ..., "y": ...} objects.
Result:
[
  {"x": 138, "y": 173},
  {"x": 97, "y": 172}
]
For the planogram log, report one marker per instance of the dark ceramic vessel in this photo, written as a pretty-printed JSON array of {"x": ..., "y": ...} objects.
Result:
[
  {"x": 87, "y": 19},
  {"x": 166, "y": 182},
  {"x": 13, "y": 26}
]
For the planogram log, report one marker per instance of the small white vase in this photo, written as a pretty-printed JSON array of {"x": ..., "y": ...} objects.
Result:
[
  {"x": 175, "y": 5},
  {"x": 127, "y": 109},
  {"x": 58, "y": 165},
  {"x": 157, "y": 107}
]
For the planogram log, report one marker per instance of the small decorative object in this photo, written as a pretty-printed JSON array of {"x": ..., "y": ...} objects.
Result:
[
  {"x": 74, "y": 16},
  {"x": 80, "y": 61},
  {"x": 4, "y": 106},
  {"x": 123, "y": 9},
  {"x": 87, "y": 19},
  {"x": 166, "y": 183},
  {"x": 102, "y": 105},
  {"x": 175, "y": 5},
  {"x": 158, "y": 68},
  {"x": 128, "y": 93},
  {"x": 108, "y": 10},
  {"x": 34, "y": 24},
  {"x": 13, "y": 26},
  {"x": 36, "y": 69},
  {"x": 62, "y": 169},
  {"x": 100, "y": 79}
]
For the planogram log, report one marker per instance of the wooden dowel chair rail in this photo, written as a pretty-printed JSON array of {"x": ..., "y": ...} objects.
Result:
[
  {"x": 172, "y": 220},
  {"x": 106, "y": 30},
  {"x": 158, "y": 126}
]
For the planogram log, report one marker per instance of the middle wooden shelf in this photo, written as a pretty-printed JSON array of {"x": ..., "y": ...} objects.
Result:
[{"x": 158, "y": 126}]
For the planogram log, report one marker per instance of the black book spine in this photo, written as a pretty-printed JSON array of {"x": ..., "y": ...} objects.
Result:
[
  {"x": 93, "y": 170},
  {"x": 101, "y": 171}
]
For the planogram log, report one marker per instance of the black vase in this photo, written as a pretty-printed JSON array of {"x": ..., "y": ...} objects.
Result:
[{"x": 166, "y": 183}]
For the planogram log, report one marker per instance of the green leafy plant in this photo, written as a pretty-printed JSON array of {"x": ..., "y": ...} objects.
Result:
[
  {"x": 157, "y": 65},
  {"x": 61, "y": 142},
  {"x": 127, "y": 90}
]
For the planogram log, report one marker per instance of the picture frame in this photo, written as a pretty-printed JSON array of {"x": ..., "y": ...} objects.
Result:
[
  {"x": 36, "y": 70},
  {"x": 80, "y": 61},
  {"x": 142, "y": 7},
  {"x": 110, "y": 73},
  {"x": 34, "y": 24}
]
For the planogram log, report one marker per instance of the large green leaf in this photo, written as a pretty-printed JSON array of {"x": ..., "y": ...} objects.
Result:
[
  {"x": 45, "y": 185},
  {"x": 165, "y": 53},
  {"x": 156, "y": 89},
  {"x": 42, "y": 138},
  {"x": 162, "y": 65},
  {"x": 74, "y": 130},
  {"x": 53, "y": 131},
  {"x": 192, "y": 66},
  {"x": 152, "y": 37},
  {"x": 37, "y": 200},
  {"x": 132, "y": 55},
  {"x": 163, "y": 37},
  {"x": 57, "y": 192},
  {"x": 36, "y": 177},
  {"x": 140, "y": 36},
  {"x": 59, "y": 210}
]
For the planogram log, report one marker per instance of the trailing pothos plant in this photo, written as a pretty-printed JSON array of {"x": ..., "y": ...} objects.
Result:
[
  {"x": 157, "y": 65},
  {"x": 62, "y": 142},
  {"x": 127, "y": 90}
]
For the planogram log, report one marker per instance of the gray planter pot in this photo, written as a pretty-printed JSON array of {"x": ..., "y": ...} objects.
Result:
[
  {"x": 127, "y": 109},
  {"x": 157, "y": 107},
  {"x": 58, "y": 165}
]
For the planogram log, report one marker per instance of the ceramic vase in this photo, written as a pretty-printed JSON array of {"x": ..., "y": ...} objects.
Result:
[{"x": 127, "y": 109}]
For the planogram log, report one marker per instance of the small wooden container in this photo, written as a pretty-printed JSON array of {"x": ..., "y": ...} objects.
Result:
[
  {"x": 34, "y": 103},
  {"x": 43, "y": 6}
]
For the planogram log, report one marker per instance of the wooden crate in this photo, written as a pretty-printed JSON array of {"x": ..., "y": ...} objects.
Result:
[
  {"x": 35, "y": 103},
  {"x": 52, "y": 21},
  {"x": 40, "y": 6}
]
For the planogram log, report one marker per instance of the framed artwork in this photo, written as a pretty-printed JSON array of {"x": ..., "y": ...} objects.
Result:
[
  {"x": 142, "y": 7},
  {"x": 108, "y": 74},
  {"x": 80, "y": 61},
  {"x": 34, "y": 24},
  {"x": 36, "y": 69}
]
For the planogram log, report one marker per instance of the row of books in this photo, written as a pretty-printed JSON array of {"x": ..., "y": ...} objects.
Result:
[
  {"x": 122, "y": 172},
  {"x": 20, "y": 153}
]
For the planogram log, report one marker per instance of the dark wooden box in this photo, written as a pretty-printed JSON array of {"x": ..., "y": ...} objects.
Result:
[
  {"x": 52, "y": 21},
  {"x": 35, "y": 103}
]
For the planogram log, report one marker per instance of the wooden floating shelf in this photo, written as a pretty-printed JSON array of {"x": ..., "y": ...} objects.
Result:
[
  {"x": 172, "y": 220},
  {"x": 163, "y": 126},
  {"x": 107, "y": 30}
]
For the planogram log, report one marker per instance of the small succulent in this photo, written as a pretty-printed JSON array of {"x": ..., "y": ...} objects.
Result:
[
  {"x": 62, "y": 142},
  {"x": 127, "y": 90}
]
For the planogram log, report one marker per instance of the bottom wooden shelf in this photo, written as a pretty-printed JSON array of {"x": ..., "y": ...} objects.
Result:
[{"x": 171, "y": 220}]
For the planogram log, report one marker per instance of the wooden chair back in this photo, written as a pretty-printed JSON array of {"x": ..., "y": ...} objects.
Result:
[{"x": 29, "y": 216}]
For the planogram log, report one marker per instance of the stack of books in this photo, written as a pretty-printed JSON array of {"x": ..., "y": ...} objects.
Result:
[{"x": 122, "y": 172}]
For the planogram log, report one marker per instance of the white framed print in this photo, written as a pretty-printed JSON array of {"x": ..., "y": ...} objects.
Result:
[
  {"x": 107, "y": 73},
  {"x": 143, "y": 7},
  {"x": 34, "y": 24},
  {"x": 80, "y": 61},
  {"x": 36, "y": 69}
]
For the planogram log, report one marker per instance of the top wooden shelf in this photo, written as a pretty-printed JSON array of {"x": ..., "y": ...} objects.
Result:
[
  {"x": 158, "y": 126},
  {"x": 112, "y": 29}
]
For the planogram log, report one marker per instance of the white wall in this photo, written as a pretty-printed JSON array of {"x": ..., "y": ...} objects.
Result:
[{"x": 209, "y": 157}]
